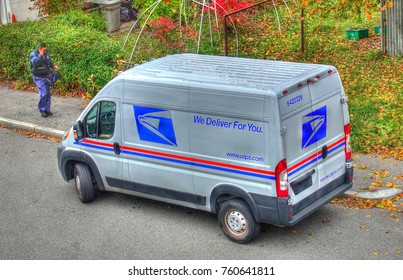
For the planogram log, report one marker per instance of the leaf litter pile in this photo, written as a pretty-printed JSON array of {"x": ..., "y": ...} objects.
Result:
[{"x": 395, "y": 204}]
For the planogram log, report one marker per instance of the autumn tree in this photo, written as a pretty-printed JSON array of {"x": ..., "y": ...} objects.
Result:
[
  {"x": 391, "y": 16},
  {"x": 342, "y": 8},
  {"x": 55, "y": 7}
]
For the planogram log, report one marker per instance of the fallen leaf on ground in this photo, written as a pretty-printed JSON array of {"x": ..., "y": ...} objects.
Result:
[{"x": 360, "y": 203}]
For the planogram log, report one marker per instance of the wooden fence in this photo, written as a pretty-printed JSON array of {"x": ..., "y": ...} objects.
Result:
[{"x": 392, "y": 27}]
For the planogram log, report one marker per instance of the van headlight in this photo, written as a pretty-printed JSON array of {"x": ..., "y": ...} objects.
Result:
[{"x": 66, "y": 135}]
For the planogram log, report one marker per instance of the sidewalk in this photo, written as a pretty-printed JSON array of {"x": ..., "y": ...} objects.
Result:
[{"x": 18, "y": 109}]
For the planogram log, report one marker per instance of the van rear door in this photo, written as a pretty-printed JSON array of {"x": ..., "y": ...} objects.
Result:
[
  {"x": 300, "y": 150},
  {"x": 314, "y": 139},
  {"x": 327, "y": 105}
]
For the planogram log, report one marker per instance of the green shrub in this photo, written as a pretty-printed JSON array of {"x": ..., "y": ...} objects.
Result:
[
  {"x": 79, "y": 19},
  {"x": 75, "y": 43},
  {"x": 168, "y": 8}
]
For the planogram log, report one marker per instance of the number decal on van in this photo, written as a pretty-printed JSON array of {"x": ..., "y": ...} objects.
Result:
[
  {"x": 314, "y": 127},
  {"x": 294, "y": 100},
  {"x": 155, "y": 125}
]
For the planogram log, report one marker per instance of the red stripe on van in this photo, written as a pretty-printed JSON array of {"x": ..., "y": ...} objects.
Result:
[
  {"x": 93, "y": 142},
  {"x": 304, "y": 161},
  {"x": 185, "y": 158},
  {"x": 318, "y": 153},
  {"x": 209, "y": 162},
  {"x": 203, "y": 161},
  {"x": 341, "y": 140}
]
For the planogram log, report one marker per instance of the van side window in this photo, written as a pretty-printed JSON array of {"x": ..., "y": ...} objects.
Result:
[{"x": 100, "y": 120}]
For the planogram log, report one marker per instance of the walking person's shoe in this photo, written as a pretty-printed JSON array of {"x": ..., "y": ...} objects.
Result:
[
  {"x": 44, "y": 114},
  {"x": 49, "y": 113}
]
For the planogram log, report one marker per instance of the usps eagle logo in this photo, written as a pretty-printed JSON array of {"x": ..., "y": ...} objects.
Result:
[
  {"x": 314, "y": 127},
  {"x": 155, "y": 125}
]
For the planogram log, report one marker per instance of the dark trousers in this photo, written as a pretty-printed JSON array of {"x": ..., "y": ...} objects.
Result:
[{"x": 44, "y": 94}]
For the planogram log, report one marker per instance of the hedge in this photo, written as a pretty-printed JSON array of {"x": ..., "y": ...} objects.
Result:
[{"x": 77, "y": 44}]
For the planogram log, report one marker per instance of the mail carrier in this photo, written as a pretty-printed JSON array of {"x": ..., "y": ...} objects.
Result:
[{"x": 253, "y": 141}]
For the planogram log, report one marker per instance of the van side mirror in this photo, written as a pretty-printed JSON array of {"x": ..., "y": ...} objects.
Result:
[{"x": 78, "y": 129}]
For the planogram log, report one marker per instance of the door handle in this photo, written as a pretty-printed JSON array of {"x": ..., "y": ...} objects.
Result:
[
  {"x": 324, "y": 152},
  {"x": 116, "y": 148}
]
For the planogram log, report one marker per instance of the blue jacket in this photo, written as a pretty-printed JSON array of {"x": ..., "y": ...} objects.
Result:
[{"x": 40, "y": 65}]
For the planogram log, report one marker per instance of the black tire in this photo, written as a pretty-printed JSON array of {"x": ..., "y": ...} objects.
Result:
[
  {"x": 237, "y": 221},
  {"x": 83, "y": 182}
]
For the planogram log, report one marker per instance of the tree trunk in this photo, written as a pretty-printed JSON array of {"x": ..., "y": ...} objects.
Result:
[{"x": 383, "y": 25}]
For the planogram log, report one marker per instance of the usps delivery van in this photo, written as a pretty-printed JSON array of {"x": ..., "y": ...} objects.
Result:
[{"x": 254, "y": 141}]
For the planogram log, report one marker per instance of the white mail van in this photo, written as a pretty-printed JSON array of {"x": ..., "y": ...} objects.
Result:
[{"x": 254, "y": 141}]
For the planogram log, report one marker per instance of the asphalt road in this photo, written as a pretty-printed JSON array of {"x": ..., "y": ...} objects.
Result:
[{"x": 42, "y": 218}]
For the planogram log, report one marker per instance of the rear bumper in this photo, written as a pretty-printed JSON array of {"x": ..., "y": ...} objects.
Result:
[
  {"x": 314, "y": 206},
  {"x": 281, "y": 214}
]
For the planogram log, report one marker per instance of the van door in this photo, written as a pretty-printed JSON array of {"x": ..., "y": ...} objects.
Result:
[
  {"x": 156, "y": 143},
  {"x": 327, "y": 109},
  {"x": 300, "y": 148},
  {"x": 314, "y": 139},
  {"x": 102, "y": 138}
]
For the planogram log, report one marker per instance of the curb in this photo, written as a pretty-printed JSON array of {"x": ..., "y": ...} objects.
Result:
[
  {"x": 379, "y": 194},
  {"x": 32, "y": 128}
]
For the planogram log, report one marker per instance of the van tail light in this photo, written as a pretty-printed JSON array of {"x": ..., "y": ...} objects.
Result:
[
  {"x": 347, "y": 133},
  {"x": 282, "y": 179}
]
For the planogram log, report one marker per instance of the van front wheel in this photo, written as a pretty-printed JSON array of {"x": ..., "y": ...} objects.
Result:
[
  {"x": 237, "y": 222},
  {"x": 83, "y": 182}
]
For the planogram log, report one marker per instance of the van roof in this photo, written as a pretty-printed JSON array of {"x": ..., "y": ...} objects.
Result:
[{"x": 247, "y": 73}]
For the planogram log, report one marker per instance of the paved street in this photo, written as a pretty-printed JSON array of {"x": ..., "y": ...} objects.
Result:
[{"x": 42, "y": 218}]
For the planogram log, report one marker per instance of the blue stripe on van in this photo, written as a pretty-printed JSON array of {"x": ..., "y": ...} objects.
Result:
[
  {"x": 336, "y": 147},
  {"x": 97, "y": 147},
  {"x": 290, "y": 173},
  {"x": 319, "y": 157},
  {"x": 216, "y": 166},
  {"x": 201, "y": 165},
  {"x": 309, "y": 160}
]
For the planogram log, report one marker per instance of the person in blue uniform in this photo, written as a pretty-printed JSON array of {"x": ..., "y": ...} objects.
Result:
[{"x": 41, "y": 65}]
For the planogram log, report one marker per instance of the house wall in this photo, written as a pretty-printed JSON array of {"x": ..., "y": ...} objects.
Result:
[
  {"x": 392, "y": 27},
  {"x": 395, "y": 28},
  {"x": 20, "y": 8}
]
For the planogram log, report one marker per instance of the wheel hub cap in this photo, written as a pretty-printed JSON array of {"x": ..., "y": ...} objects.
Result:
[
  {"x": 236, "y": 221},
  {"x": 78, "y": 183}
]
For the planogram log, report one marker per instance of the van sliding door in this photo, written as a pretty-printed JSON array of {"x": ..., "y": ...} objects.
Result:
[{"x": 156, "y": 144}]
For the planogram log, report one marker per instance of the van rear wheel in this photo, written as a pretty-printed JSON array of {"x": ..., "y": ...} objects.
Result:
[
  {"x": 237, "y": 221},
  {"x": 83, "y": 182}
]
